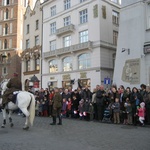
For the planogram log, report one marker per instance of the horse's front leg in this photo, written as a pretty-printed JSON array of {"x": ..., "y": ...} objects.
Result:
[
  {"x": 4, "y": 118},
  {"x": 10, "y": 119}
]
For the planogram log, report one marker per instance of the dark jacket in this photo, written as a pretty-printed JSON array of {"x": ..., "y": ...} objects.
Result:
[
  {"x": 57, "y": 100},
  {"x": 100, "y": 97}
]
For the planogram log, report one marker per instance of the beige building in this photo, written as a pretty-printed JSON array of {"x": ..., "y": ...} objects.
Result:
[
  {"x": 31, "y": 55},
  {"x": 79, "y": 42}
]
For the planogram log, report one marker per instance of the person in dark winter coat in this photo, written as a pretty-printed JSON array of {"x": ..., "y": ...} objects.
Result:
[{"x": 13, "y": 85}]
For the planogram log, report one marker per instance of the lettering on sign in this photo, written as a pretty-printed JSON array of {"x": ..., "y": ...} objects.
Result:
[
  {"x": 83, "y": 75},
  {"x": 66, "y": 77}
]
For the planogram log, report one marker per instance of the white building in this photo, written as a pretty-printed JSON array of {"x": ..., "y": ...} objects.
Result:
[
  {"x": 132, "y": 66},
  {"x": 31, "y": 55},
  {"x": 79, "y": 42}
]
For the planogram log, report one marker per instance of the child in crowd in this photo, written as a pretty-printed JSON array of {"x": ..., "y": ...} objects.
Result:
[
  {"x": 68, "y": 111},
  {"x": 45, "y": 107},
  {"x": 40, "y": 108},
  {"x": 37, "y": 108},
  {"x": 141, "y": 113},
  {"x": 128, "y": 109},
  {"x": 64, "y": 107},
  {"x": 116, "y": 110},
  {"x": 81, "y": 109}
]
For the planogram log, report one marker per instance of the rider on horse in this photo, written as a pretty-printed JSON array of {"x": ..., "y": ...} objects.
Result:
[{"x": 13, "y": 85}]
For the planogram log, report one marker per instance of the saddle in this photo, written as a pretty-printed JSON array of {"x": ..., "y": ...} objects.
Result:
[{"x": 13, "y": 97}]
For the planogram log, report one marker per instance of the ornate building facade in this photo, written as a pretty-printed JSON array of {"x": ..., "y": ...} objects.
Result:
[
  {"x": 79, "y": 42},
  {"x": 31, "y": 55}
]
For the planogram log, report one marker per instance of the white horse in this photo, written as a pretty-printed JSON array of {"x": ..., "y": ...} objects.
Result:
[{"x": 25, "y": 101}]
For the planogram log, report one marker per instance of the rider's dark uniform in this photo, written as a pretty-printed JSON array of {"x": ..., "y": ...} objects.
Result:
[{"x": 13, "y": 85}]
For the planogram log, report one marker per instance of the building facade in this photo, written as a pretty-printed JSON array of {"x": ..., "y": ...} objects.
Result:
[
  {"x": 79, "y": 42},
  {"x": 132, "y": 66},
  {"x": 31, "y": 55},
  {"x": 11, "y": 22}
]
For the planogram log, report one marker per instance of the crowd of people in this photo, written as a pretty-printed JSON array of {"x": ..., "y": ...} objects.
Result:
[{"x": 116, "y": 105}]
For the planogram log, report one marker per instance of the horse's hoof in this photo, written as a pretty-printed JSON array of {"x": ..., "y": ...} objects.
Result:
[
  {"x": 2, "y": 126},
  {"x": 11, "y": 125},
  {"x": 25, "y": 127}
]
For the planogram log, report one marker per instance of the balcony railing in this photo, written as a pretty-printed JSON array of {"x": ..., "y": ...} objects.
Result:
[
  {"x": 70, "y": 49},
  {"x": 65, "y": 29}
]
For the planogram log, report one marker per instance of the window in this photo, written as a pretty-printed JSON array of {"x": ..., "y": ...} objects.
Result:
[
  {"x": 27, "y": 65},
  {"x": 37, "y": 64},
  {"x": 5, "y": 44},
  {"x": 7, "y": 2},
  {"x": 67, "y": 21},
  {"x": 67, "y": 64},
  {"x": 115, "y": 37},
  {"x": 67, "y": 41},
  {"x": 115, "y": 17},
  {"x": 83, "y": 36},
  {"x": 36, "y": 40},
  {"x": 28, "y": 28},
  {"x": 4, "y": 71},
  {"x": 6, "y": 29},
  {"x": 67, "y": 4},
  {"x": 53, "y": 11},
  {"x": 37, "y": 25},
  {"x": 82, "y": 1},
  {"x": 27, "y": 44},
  {"x": 52, "y": 45},
  {"x": 53, "y": 67},
  {"x": 53, "y": 28},
  {"x": 115, "y": 1},
  {"x": 84, "y": 61},
  {"x": 83, "y": 16},
  {"x": 7, "y": 12}
]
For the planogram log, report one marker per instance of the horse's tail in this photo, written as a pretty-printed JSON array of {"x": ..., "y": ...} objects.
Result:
[{"x": 32, "y": 109}]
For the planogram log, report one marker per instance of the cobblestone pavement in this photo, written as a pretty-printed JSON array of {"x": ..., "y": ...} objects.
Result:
[{"x": 73, "y": 135}]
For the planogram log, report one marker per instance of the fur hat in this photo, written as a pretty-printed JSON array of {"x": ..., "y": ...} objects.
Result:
[{"x": 15, "y": 74}]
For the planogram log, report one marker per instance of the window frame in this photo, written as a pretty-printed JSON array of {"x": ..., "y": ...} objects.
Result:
[
  {"x": 55, "y": 64},
  {"x": 52, "y": 45},
  {"x": 67, "y": 4},
  {"x": 53, "y": 28},
  {"x": 67, "y": 21},
  {"x": 84, "y": 37},
  {"x": 53, "y": 10},
  {"x": 83, "y": 16},
  {"x": 67, "y": 41},
  {"x": 67, "y": 60}
]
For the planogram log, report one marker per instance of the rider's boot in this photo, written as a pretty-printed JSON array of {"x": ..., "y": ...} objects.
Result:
[{"x": 3, "y": 106}]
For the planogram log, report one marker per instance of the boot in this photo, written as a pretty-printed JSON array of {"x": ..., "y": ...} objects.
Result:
[
  {"x": 60, "y": 120},
  {"x": 54, "y": 121}
]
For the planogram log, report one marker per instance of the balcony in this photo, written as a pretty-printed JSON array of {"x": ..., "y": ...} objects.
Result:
[
  {"x": 65, "y": 29},
  {"x": 70, "y": 49}
]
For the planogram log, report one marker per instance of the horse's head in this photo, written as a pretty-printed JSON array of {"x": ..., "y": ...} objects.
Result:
[{"x": 3, "y": 85}]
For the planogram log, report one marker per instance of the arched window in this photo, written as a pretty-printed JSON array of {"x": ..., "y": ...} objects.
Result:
[
  {"x": 5, "y": 44},
  {"x": 6, "y": 29},
  {"x": 67, "y": 64},
  {"x": 84, "y": 61},
  {"x": 53, "y": 66},
  {"x": 7, "y": 13}
]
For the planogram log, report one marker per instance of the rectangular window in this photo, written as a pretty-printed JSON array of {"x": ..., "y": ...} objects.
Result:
[
  {"x": 67, "y": 21},
  {"x": 27, "y": 65},
  {"x": 83, "y": 16},
  {"x": 28, "y": 28},
  {"x": 115, "y": 37},
  {"x": 82, "y": 1},
  {"x": 36, "y": 40},
  {"x": 115, "y": 17},
  {"x": 27, "y": 44},
  {"x": 53, "y": 11},
  {"x": 67, "y": 4},
  {"x": 53, "y": 28},
  {"x": 37, "y": 64},
  {"x": 67, "y": 41},
  {"x": 83, "y": 36},
  {"x": 52, "y": 45},
  {"x": 37, "y": 25}
]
